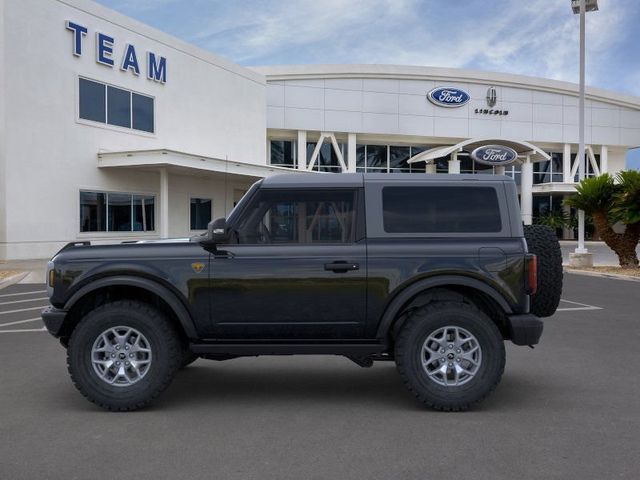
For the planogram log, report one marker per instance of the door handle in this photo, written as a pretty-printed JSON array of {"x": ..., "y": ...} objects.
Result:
[{"x": 341, "y": 266}]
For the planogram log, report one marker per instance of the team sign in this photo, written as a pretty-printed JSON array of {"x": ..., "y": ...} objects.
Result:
[{"x": 156, "y": 65}]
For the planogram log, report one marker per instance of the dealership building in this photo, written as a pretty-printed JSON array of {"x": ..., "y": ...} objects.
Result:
[{"x": 111, "y": 130}]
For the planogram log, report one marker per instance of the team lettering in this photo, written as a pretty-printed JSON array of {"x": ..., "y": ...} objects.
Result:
[{"x": 156, "y": 64}]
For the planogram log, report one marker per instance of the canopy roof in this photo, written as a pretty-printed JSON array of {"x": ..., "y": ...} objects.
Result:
[{"x": 522, "y": 148}]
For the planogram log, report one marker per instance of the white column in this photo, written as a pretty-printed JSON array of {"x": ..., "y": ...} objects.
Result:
[
  {"x": 526, "y": 192},
  {"x": 430, "y": 168},
  {"x": 604, "y": 159},
  {"x": 302, "y": 150},
  {"x": 351, "y": 152},
  {"x": 454, "y": 163},
  {"x": 566, "y": 164},
  {"x": 164, "y": 203},
  {"x": 500, "y": 170}
]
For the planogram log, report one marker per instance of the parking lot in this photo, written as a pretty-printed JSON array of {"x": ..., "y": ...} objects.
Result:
[{"x": 570, "y": 408}]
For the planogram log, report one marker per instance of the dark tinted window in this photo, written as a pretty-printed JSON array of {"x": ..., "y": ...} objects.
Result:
[
  {"x": 93, "y": 212},
  {"x": 115, "y": 106},
  {"x": 200, "y": 213},
  {"x": 92, "y": 101},
  {"x": 440, "y": 209},
  {"x": 283, "y": 153},
  {"x": 118, "y": 107},
  {"x": 279, "y": 217},
  {"x": 143, "y": 213},
  {"x": 142, "y": 112},
  {"x": 116, "y": 212},
  {"x": 119, "y": 205}
]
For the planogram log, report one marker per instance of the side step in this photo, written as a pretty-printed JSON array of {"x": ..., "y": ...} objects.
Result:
[{"x": 262, "y": 348}]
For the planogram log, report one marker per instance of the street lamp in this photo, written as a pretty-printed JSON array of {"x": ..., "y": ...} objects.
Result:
[{"x": 580, "y": 7}]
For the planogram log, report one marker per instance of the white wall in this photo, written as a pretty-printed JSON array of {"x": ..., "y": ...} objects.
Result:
[
  {"x": 208, "y": 106},
  {"x": 399, "y": 106}
]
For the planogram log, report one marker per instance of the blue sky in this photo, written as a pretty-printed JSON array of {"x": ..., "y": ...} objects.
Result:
[{"x": 530, "y": 37}]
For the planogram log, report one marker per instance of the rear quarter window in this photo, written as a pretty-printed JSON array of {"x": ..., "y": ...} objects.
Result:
[{"x": 440, "y": 209}]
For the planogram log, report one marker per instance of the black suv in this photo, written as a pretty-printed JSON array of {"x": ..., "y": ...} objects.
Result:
[{"x": 433, "y": 272}]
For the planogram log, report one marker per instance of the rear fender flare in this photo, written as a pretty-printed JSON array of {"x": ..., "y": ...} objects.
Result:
[{"x": 404, "y": 296}]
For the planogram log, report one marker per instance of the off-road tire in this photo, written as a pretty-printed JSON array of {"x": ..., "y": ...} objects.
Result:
[
  {"x": 150, "y": 322},
  {"x": 188, "y": 357},
  {"x": 429, "y": 319},
  {"x": 542, "y": 241}
]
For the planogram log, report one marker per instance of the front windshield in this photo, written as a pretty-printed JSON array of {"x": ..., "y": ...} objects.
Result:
[{"x": 242, "y": 201}]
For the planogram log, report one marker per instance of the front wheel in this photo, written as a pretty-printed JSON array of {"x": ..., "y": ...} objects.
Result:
[
  {"x": 123, "y": 354},
  {"x": 450, "y": 355}
]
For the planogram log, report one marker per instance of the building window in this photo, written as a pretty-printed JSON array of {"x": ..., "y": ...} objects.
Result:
[
  {"x": 327, "y": 160},
  {"x": 388, "y": 159},
  {"x": 549, "y": 171},
  {"x": 111, "y": 105},
  {"x": 116, "y": 212},
  {"x": 283, "y": 153},
  {"x": 200, "y": 213},
  {"x": 589, "y": 170}
]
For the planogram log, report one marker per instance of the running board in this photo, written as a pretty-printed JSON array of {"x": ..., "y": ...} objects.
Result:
[{"x": 252, "y": 349}]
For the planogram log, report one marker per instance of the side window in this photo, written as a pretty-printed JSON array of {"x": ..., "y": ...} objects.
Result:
[
  {"x": 302, "y": 217},
  {"x": 441, "y": 209}
]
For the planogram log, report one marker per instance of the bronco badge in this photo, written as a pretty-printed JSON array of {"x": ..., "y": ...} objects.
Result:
[{"x": 197, "y": 266}]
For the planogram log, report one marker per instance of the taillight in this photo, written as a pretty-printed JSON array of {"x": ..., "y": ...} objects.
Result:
[{"x": 531, "y": 268}]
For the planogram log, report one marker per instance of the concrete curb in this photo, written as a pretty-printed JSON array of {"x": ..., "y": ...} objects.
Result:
[
  {"x": 613, "y": 276},
  {"x": 13, "y": 279}
]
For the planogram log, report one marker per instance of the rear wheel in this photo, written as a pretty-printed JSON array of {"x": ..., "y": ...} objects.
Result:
[
  {"x": 542, "y": 241},
  {"x": 188, "y": 357},
  {"x": 123, "y": 354},
  {"x": 450, "y": 355}
]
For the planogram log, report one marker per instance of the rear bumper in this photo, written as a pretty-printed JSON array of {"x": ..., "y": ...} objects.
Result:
[
  {"x": 53, "y": 319},
  {"x": 525, "y": 329}
]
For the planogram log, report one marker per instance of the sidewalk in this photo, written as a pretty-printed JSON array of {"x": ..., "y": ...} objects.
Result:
[
  {"x": 37, "y": 269},
  {"x": 602, "y": 255}
]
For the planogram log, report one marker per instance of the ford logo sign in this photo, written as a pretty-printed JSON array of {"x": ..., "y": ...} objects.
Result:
[
  {"x": 448, "y": 97},
  {"x": 494, "y": 155}
]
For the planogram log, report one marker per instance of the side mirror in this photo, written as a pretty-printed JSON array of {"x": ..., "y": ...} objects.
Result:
[{"x": 217, "y": 231}]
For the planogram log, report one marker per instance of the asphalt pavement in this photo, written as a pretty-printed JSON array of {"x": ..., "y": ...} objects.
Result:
[{"x": 569, "y": 409}]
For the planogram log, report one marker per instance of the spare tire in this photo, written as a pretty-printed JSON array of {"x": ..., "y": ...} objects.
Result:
[{"x": 542, "y": 241}]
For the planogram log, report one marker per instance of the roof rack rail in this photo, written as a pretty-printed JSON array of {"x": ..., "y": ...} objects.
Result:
[{"x": 85, "y": 243}]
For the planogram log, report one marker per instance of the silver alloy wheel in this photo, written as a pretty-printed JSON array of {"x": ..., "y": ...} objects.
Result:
[
  {"x": 121, "y": 356},
  {"x": 451, "y": 356}
]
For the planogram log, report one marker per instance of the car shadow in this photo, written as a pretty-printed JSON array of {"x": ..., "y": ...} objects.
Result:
[{"x": 245, "y": 383}]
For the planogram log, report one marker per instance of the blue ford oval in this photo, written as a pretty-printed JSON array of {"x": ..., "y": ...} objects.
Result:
[
  {"x": 448, "y": 96},
  {"x": 494, "y": 155}
]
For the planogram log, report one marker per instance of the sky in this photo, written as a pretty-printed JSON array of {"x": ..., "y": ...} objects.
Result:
[{"x": 529, "y": 37}]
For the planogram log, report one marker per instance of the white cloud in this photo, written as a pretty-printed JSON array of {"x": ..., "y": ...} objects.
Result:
[{"x": 530, "y": 37}]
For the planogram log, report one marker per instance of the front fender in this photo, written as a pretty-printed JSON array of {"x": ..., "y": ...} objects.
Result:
[{"x": 174, "y": 302}]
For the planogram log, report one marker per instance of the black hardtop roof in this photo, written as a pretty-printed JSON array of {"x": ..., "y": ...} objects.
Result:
[{"x": 289, "y": 180}]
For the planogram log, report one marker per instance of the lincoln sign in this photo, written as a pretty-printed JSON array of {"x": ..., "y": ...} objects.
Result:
[{"x": 494, "y": 155}]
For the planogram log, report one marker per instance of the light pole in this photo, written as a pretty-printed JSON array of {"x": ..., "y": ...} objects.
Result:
[{"x": 580, "y": 7}]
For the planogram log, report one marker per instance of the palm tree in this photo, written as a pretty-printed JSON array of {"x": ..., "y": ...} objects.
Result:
[{"x": 609, "y": 202}]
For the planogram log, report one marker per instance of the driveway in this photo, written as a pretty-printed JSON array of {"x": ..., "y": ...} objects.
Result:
[{"x": 569, "y": 409}]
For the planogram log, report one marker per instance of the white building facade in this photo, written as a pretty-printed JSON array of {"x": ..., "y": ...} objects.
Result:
[{"x": 111, "y": 130}]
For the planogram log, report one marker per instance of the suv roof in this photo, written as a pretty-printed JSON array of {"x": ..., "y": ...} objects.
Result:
[{"x": 288, "y": 180}]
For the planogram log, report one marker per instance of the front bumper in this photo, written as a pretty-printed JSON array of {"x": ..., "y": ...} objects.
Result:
[
  {"x": 525, "y": 329},
  {"x": 53, "y": 319}
]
